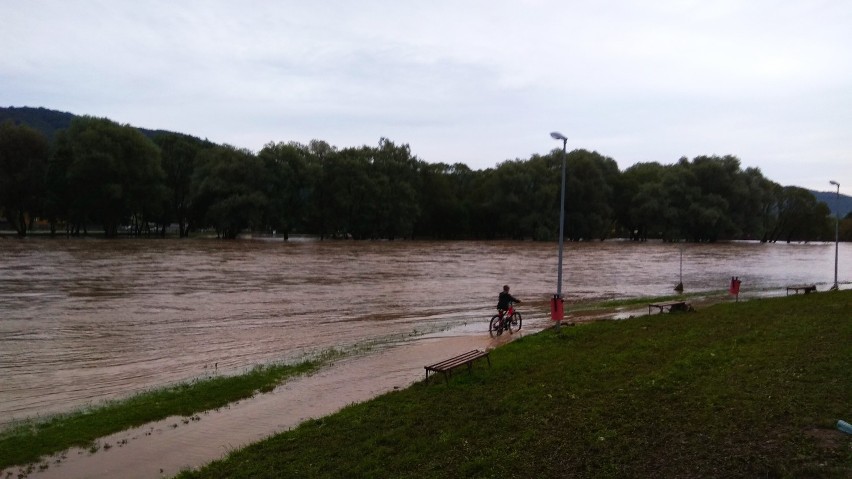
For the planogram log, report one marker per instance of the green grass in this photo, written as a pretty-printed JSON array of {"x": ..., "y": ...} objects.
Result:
[
  {"x": 749, "y": 389},
  {"x": 615, "y": 304},
  {"x": 27, "y": 442}
]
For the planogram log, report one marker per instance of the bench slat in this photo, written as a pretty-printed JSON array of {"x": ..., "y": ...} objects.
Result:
[
  {"x": 669, "y": 306},
  {"x": 457, "y": 360},
  {"x": 445, "y": 367},
  {"x": 807, "y": 288},
  {"x": 465, "y": 356}
]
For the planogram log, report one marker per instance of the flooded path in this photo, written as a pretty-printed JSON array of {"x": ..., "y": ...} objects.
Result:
[{"x": 164, "y": 448}]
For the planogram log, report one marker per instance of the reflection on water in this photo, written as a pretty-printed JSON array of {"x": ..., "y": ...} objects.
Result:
[{"x": 85, "y": 320}]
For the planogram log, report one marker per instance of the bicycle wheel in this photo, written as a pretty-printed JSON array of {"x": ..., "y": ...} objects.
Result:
[
  {"x": 515, "y": 322},
  {"x": 494, "y": 327}
]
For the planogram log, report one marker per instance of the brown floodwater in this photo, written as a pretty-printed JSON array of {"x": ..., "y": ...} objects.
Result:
[{"x": 88, "y": 320}]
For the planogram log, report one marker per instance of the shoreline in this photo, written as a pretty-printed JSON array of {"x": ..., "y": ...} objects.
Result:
[{"x": 164, "y": 448}]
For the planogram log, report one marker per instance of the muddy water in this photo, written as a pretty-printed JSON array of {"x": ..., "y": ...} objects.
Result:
[
  {"x": 164, "y": 448},
  {"x": 87, "y": 320},
  {"x": 82, "y": 321}
]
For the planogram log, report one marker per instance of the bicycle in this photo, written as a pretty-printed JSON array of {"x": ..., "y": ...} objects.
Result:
[{"x": 509, "y": 320}]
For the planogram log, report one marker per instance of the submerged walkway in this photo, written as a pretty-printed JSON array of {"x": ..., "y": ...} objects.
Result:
[{"x": 164, "y": 448}]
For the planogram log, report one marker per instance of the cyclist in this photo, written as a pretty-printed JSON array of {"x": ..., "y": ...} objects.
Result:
[{"x": 504, "y": 299}]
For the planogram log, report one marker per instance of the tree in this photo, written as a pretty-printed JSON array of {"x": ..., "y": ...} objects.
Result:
[
  {"x": 319, "y": 195},
  {"x": 107, "y": 173},
  {"x": 395, "y": 173},
  {"x": 178, "y": 154},
  {"x": 589, "y": 195},
  {"x": 640, "y": 201},
  {"x": 758, "y": 206},
  {"x": 718, "y": 210},
  {"x": 355, "y": 204},
  {"x": 845, "y": 228},
  {"x": 444, "y": 211},
  {"x": 100, "y": 171},
  {"x": 227, "y": 190},
  {"x": 706, "y": 199},
  {"x": 800, "y": 217},
  {"x": 281, "y": 188},
  {"x": 24, "y": 154},
  {"x": 59, "y": 198},
  {"x": 507, "y": 200}
]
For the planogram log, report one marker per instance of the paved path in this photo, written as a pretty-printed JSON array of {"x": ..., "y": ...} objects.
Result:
[{"x": 164, "y": 448}]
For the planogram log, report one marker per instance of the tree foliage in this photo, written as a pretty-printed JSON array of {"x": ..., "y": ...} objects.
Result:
[
  {"x": 178, "y": 153},
  {"x": 99, "y": 172},
  {"x": 228, "y": 190},
  {"x": 106, "y": 173},
  {"x": 24, "y": 153}
]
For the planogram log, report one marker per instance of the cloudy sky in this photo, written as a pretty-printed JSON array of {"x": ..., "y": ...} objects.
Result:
[{"x": 476, "y": 82}]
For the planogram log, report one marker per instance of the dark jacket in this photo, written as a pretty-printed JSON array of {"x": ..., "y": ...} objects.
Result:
[{"x": 504, "y": 299}]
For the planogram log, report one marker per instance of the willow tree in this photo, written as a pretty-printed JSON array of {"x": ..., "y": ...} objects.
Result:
[
  {"x": 106, "y": 173},
  {"x": 24, "y": 154},
  {"x": 178, "y": 154},
  {"x": 227, "y": 190}
]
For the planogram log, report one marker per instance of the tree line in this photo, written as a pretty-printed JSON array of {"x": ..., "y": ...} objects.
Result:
[{"x": 98, "y": 172}]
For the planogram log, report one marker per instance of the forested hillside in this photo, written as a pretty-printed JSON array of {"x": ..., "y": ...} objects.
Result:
[
  {"x": 72, "y": 173},
  {"x": 49, "y": 122},
  {"x": 839, "y": 205}
]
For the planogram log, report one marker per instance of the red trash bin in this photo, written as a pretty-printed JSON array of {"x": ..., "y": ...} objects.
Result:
[{"x": 557, "y": 308}]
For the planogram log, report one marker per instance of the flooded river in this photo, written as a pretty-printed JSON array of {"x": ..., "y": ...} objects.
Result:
[
  {"x": 85, "y": 320},
  {"x": 88, "y": 320}
]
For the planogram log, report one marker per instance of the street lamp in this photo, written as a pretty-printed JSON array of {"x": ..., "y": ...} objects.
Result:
[
  {"x": 836, "y": 231},
  {"x": 556, "y": 308}
]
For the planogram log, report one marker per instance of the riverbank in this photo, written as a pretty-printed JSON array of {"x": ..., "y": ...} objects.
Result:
[
  {"x": 163, "y": 448},
  {"x": 88, "y": 427},
  {"x": 28, "y": 441},
  {"x": 751, "y": 389}
]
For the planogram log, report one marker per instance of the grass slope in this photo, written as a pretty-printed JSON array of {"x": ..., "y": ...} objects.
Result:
[{"x": 749, "y": 389}]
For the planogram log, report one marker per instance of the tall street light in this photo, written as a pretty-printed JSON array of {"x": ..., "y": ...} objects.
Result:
[
  {"x": 556, "y": 308},
  {"x": 836, "y": 230}
]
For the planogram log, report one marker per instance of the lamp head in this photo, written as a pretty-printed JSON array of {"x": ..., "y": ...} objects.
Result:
[
  {"x": 558, "y": 136},
  {"x": 832, "y": 181}
]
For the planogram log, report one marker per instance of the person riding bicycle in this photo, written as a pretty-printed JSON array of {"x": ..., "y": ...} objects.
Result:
[{"x": 504, "y": 299}]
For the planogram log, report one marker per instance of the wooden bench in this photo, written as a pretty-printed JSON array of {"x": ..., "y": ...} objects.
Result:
[
  {"x": 672, "y": 306},
  {"x": 446, "y": 367},
  {"x": 807, "y": 288}
]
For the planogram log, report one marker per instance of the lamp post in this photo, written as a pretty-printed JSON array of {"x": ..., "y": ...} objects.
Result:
[
  {"x": 556, "y": 304},
  {"x": 836, "y": 231}
]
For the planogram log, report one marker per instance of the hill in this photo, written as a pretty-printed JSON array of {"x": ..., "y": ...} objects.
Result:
[
  {"x": 42, "y": 119},
  {"x": 843, "y": 206},
  {"x": 50, "y": 121}
]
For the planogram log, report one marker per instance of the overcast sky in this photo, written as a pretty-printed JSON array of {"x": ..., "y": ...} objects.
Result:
[{"x": 476, "y": 82}]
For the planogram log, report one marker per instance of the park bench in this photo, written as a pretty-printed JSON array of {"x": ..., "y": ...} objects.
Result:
[
  {"x": 807, "y": 288},
  {"x": 446, "y": 366},
  {"x": 671, "y": 306}
]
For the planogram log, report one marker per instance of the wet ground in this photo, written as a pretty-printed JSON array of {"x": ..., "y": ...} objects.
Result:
[{"x": 162, "y": 449}]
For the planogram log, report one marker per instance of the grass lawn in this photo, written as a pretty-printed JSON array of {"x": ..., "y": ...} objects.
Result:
[{"x": 749, "y": 389}]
